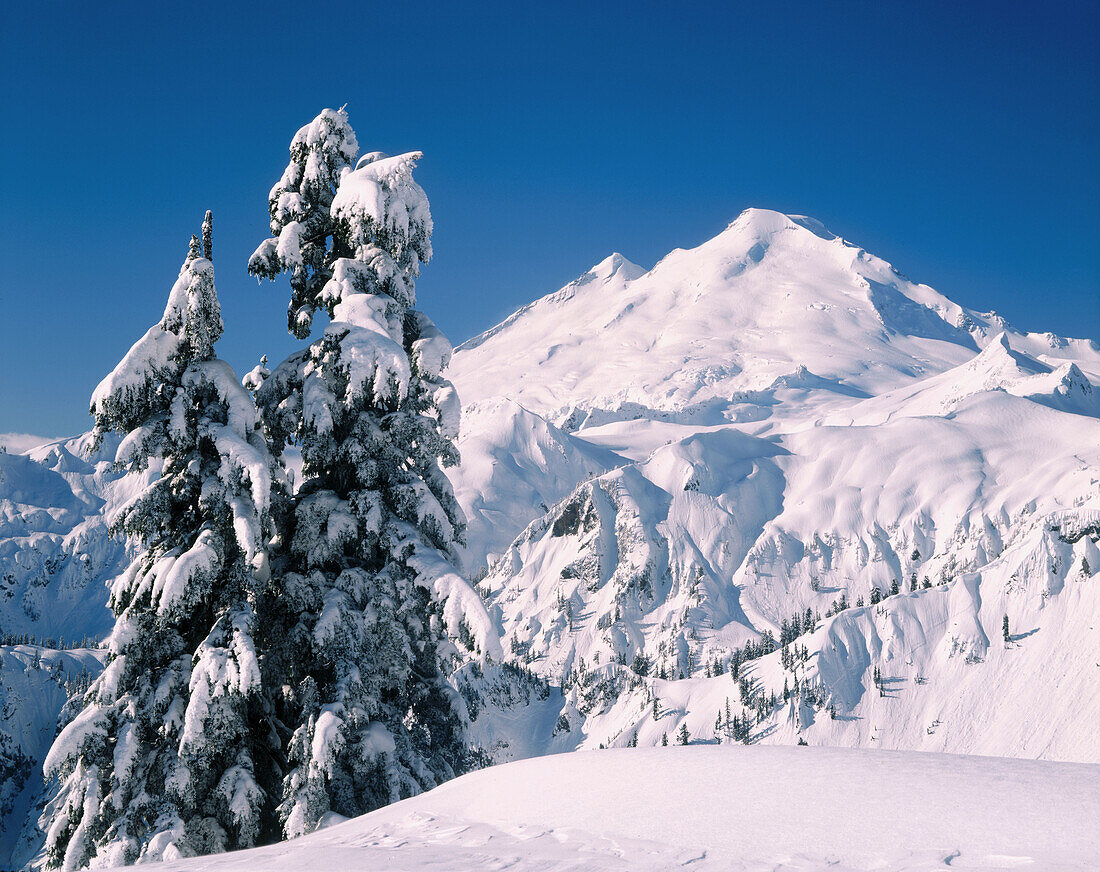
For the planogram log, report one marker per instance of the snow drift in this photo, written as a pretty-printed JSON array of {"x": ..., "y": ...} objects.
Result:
[{"x": 723, "y": 809}]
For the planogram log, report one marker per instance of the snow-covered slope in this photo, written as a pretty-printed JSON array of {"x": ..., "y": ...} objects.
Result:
[
  {"x": 56, "y": 557},
  {"x": 794, "y": 424},
  {"x": 524, "y": 465},
  {"x": 35, "y": 685},
  {"x": 718, "y": 808},
  {"x": 56, "y": 553}
]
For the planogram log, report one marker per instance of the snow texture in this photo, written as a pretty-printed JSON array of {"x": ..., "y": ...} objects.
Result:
[
  {"x": 719, "y": 808},
  {"x": 35, "y": 684}
]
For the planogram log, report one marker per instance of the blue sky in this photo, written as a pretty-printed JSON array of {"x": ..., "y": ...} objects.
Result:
[{"x": 958, "y": 141}]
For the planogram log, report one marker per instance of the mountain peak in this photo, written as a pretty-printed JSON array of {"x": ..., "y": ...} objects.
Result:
[
  {"x": 762, "y": 223},
  {"x": 1000, "y": 356},
  {"x": 612, "y": 265},
  {"x": 702, "y": 334}
]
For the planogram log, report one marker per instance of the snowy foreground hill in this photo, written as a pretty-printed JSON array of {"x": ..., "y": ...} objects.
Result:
[
  {"x": 718, "y": 808},
  {"x": 768, "y": 491}
]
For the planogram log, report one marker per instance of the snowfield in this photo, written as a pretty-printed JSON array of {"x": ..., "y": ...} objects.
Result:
[
  {"x": 56, "y": 555},
  {"x": 718, "y": 808}
]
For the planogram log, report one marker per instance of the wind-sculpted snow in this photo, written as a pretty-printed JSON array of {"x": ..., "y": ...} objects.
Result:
[
  {"x": 799, "y": 428},
  {"x": 730, "y": 809},
  {"x": 999, "y": 367},
  {"x": 515, "y": 466}
]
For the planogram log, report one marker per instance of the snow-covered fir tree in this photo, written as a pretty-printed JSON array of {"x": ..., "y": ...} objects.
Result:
[
  {"x": 169, "y": 753},
  {"x": 374, "y": 612}
]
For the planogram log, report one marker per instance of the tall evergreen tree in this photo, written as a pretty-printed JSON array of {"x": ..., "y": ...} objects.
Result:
[
  {"x": 374, "y": 613},
  {"x": 163, "y": 759}
]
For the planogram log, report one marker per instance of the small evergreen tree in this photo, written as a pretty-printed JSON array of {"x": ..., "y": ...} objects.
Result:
[
  {"x": 664, "y": 740},
  {"x": 683, "y": 737},
  {"x": 170, "y": 752},
  {"x": 1005, "y": 630}
]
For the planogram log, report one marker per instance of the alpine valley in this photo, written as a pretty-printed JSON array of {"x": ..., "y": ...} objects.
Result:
[{"x": 769, "y": 492}]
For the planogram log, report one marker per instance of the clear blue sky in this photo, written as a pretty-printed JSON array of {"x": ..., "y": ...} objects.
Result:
[{"x": 957, "y": 140}]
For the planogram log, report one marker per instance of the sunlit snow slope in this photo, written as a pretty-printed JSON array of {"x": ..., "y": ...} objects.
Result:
[
  {"x": 726, "y": 809},
  {"x": 787, "y": 424},
  {"x": 55, "y": 549}
]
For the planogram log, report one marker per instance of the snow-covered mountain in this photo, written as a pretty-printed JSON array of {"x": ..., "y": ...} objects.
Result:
[
  {"x": 56, "y": 551},
  {"x": 787, "y": 424},
  {"x": 56, "y": 555},
  {"x": 711, "y": 335},
  {"x": 35, "y": 685}
]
